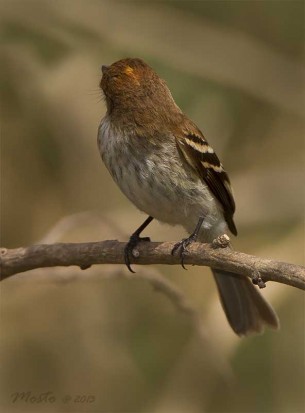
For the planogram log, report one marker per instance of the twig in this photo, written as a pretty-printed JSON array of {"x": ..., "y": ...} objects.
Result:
[{"x": 84, "y": 255}]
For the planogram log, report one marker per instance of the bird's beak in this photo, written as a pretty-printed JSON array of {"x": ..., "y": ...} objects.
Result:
[{"x": 104, "y": 69}]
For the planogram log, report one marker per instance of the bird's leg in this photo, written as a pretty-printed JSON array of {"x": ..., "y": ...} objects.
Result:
[
  {"x": 182, "y": 245},
  {"x": 134, "y": 240}
]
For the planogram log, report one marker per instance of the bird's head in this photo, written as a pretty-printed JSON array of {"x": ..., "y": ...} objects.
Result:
[{"x": 132, "y": 85}]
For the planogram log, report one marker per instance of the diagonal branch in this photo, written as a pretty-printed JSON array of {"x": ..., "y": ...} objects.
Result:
[{"x": 84, "y": 255}]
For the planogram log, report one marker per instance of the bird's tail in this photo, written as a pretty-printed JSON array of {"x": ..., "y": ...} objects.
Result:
[{"x": 246, "y": 309}]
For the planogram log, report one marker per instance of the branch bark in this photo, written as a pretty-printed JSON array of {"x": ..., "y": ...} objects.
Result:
[{"x": 84, "y": 255}]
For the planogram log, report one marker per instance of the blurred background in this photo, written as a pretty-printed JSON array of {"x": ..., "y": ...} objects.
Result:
[{"x": 104, "y": 340}]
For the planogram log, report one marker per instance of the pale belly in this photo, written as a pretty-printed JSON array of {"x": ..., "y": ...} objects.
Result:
[{"x": 157, "y": 183}]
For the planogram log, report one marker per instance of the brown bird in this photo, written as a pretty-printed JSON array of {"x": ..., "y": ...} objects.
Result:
[{"x": 162, "y": 162}]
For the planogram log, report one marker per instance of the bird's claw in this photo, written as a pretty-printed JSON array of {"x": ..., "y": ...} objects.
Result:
[
  {"x": 132, "y": 243},
  {"x": 181, "y": 248}
]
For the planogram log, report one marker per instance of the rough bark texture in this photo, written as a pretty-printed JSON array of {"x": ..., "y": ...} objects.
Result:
[{"x": 84, "y": 255}]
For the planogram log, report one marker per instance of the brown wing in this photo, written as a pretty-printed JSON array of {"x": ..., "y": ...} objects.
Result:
[{"x": 198, "y": 153}]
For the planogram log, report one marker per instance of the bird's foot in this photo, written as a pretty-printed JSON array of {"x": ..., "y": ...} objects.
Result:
[
  {"x": 181, "y": 247},
  {"x": 130, "y": 246}
]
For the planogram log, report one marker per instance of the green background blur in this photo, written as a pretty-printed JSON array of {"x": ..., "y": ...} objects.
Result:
[{"x": 236, "y": 69}]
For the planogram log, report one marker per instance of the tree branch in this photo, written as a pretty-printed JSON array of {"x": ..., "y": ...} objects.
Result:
[{"x": 84, "y": 255}]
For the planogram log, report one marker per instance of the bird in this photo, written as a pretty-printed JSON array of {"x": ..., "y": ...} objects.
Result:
[{"x": 165, "y": 166}]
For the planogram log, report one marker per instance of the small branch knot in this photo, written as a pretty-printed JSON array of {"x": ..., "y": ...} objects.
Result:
[
  {"x": 257, "y": 279},
  {"x": 85, "y": 266},
  {"x": 135, "y": 253},
  {"x": 222, "y": 241}
]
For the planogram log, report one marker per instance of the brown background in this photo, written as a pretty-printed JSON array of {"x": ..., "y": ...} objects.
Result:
[{"x": 236, "y": 69}]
